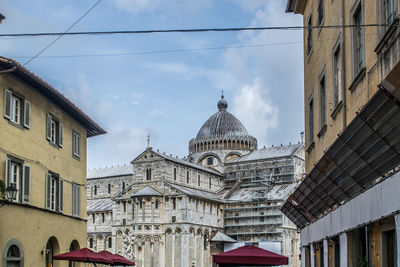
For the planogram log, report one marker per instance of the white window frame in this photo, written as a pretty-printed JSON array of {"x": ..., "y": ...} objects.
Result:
[
  {"x": 54, "y": 193},
  {"x": 18, "y": 173},
  {"x": 54, "y": 131},
  {"x": 16, "y": 108},
  {"x": 358, "y": 39}
]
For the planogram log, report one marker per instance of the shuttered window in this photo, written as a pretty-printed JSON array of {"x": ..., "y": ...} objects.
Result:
[
  {"x": 54, "y": 131},
  {"x": 76, "y": 144},
  {"x": 76, "y": 201},
  {"x": 54, "y": 192},
  {"x": 16, "y": 108},
  {"x": 20, "y": 175}
]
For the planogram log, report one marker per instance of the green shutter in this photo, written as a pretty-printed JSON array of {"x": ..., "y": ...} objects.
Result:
[
  {"x": 48, "y": 127},
  {"x": 48, "y": 189},
  {"x": 60, "y": 135},
  {"x": 27, "y": 114},
  {"x": 7, "y": 104},
  {"x": 26, "y": 185},
  {"x": 60, "y": 195}
]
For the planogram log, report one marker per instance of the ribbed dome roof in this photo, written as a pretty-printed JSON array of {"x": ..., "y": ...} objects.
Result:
[{"x": 222, "y": 124}]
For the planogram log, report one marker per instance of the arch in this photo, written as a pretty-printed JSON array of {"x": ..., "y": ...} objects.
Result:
[
  {"x": 168, "y": 231},
  {"x": 234, "y": 153},
  {"x": 191, "y": 230},
  {"x": 13, "y": 251},
  {"x": 157, "y": 238},
  {"x": 74, "y": 246},
  {"x": 119, "y": 232},
  {"x": 147, "y": 238},
  {"x": 52, "y": 248},
  {"x": 178, "y": 230},
  {"x": 199, "y": 231},
  {"x": 208, "y": 154}
]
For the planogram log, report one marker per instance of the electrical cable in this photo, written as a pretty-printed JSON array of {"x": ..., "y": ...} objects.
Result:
[
  {"x": 61, "y": 35},
  {"x": 188, "y": 30}
]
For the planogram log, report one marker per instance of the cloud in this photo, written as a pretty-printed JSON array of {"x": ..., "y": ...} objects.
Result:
[{"x": 253, "y": 107}]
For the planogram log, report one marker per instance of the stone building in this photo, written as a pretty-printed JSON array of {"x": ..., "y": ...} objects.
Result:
[
  {"x": 173, "y": 212},
  {"x": 347, "y": 207}
]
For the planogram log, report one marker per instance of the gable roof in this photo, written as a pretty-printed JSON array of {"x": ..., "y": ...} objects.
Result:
[
  {"x": 146, "y": 191},
  {"x": 17, "y": 70},
  {"x": 110, "y": 172},
  {"x": 196, "y": 193},
  {"x": 221, "y": 237},
  {"x": 104, "y": 204},
  {"x": 180, "y": 161},
  {"x": 270, "y": 152}
]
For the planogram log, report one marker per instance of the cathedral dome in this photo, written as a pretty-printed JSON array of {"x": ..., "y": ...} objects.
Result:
[{"x": 222, "y": 124}]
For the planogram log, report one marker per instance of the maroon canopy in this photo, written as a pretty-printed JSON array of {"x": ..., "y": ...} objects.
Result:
[
  {"x": 250, "y": 255},
  {"x": 83, "y": 255},
  {"x": 117, "y": 259}
]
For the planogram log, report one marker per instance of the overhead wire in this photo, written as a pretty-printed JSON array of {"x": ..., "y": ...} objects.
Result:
[
  {"x": 39, "y": 34},
  {"x": 62, "y": 34}
]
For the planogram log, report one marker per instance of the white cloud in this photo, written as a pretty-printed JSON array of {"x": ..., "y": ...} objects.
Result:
[{"x": 253, "y": 107}]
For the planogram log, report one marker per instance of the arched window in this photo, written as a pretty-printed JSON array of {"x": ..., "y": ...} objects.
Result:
[
  {"x": 156, "y": 204},
  {"x": 148, "y": 174},
  {"x": 13, "y": 254},
  {"x": 109, "y": 188},
  {"x": 52, "y": 249},
  {"x": 109, "y": 242},
  {"x": 91, "y": 243},
  {"x": 123, "y": 186},
  {"x": 74, "y": 246}
]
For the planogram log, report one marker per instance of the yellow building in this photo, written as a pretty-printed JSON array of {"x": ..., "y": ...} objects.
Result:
[
  {"x": 345, "y": 205},
  {"x": 43, "y": 139}
]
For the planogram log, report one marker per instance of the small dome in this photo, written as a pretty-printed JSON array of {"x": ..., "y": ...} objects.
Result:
[{"x": 222, "y": 124}]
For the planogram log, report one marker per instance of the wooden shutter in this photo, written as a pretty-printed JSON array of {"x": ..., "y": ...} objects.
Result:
[
  {"x": 60, "y": 135},
  {"x": 77, "y": 199},
  {"x": 27, "y": 114},
  {"x": 48, "y": 127},
  {"x": 7, "y": 104},
  {"x": 48, "y": 190},
  {"x": 8, "y": 172},
  {"x": 26, "y": 185},
  {"x": 60, "y": 195}
]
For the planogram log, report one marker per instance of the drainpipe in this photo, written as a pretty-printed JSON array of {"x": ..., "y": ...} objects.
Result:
[{"x": 344, "y": 68}]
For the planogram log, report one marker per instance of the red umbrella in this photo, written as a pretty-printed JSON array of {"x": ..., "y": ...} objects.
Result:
[
  {"x": 117, "y": 259},
  {"x": 250, "y": 255},
  {"x": 83, "y": 255}
]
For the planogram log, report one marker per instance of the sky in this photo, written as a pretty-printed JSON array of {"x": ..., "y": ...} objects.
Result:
[{"x": 165, "y": 84}]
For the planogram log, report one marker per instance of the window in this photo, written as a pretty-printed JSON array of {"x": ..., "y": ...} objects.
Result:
[
  {"x": 76, "y": 199},
  {"x": 322, "y": 102},
  {"x": 261, "y": 217},
  {"x": 174, "y": 174},
  {"x": 148, "y": 174},
  {"x": 93, "y": 218},
  {"x": 19, "y": 174},
  {"x": 389, "y": 12},
  {"x": 54, "y": 192},
  {"x": 187, "y": 177},
  {"x": 140, "y": 204},
  {"x": 209, "y": 161},
  {"x": 311, "y": 121},
  {"x": 109, "y": 188},
  {"x": 320, "y": 12},
  {"x": 209, "y": 182},
  {"x": 337, "y": 77},
  {"x": 156, "y": 205},
  {"x": 13, "y": 254},
  {"x": 358, "y": 40},
  {"x": 54, "y": 131},
  {"x": 76, "y": 144},
  {"x": 16, "y": 108},
  {"x": 91, "y": 243},
  {"x": 123, "y": 186},
  {"x": 174, "y": 203},
  {"x": 123, "y": 221},
  {"x": 173, "y": 219},
  {"x": 95, "y": 190},
  {"x": 309, "y": 35},
  {"x": 109, "y": 242},
  {"x": 124, "y": 206},
  {"x": 102, "y": 218}
]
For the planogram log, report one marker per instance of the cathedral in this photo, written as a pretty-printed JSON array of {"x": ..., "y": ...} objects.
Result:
[{"x": 161, "y": 210}]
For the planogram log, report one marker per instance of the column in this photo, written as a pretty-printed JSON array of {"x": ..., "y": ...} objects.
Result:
[
  {"x": 303, "y": 256},
  {"x": 397, "y": 223},
  {"x": 312, "y": 263},
  {"x": 325, "y": 252},
  {"x": 343, "y": 249},
  {"x": 185, "y": 249}
]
